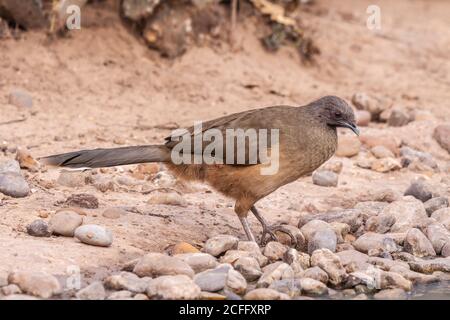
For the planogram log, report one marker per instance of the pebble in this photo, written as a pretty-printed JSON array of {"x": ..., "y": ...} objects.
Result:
[
  {"x": 20, "y": 98},
  {"x": 430, "y": 266},
  {"x": 442, "y": 136},
  {"x": 408, "y": 213},
  {"x": 341, "y": 230},
  {"x": 438, "y": 236},
  {"x": 65, "y": 222},
  {"x": 381, "y": 223},
  {"x": 36, "y": 283},
  {"x": 248, "y": 267},
  {"x": 442, "y": 216},
  {"x": 353, "y": 217},
  {"x": 386, "y": 263},
  {"x": 325, "y": 238},
  {"x": 377, "y": 140},
  {"x": 173, "y": 287},
  {"x": 413, "y": 276},
  {"x": 410, "y": 156},
  {"x": 325, "y": 178},
  {"x": 94, "y": 235},
  {"x": 374, "y": 105},
  {"x": 82, "y": 200},
  {"x": 138, "y": 10},
  {"x": 38, "y": 228},
  {"x": 364, "y": 162},
  {"x": 275, "y": 271},
  {"x": 219, "y": 244},
  {"x": 158, "y": 264},
  {"x": 392, "y": 280},
  {"x": 14, "y": 185},
  {"x": 391, "y": 294},
  {"x": 9, "y": 166},
  {"x": 371, "y": 240},
  {"x": 435, "y": 204},
  {"x": 316, "y": 273},
  {"x": 348, "y": 146},
  {"x": 204, "y": 295},
  {"x": 331, "y": 264},
  {"x": 313, "y": 287},
  {"x": 198, "y": 261},
  {"x": 103, "y": 183},
  {"x": 253, "y": 248},
  {"x": 72, "y": 179},
  {"x": 235, "y": 282},
  {"x": 417, "y": 244},
  {"x": 385, "y": 165},
  {"x": 113, "y": 213},
  {"x": 127, "y": 281},
  {"x": 381, "y": 152},
  {"x": 333, "y": 166},
  {"x": 274, "y": 250},
  {"x": 265, "y": 294},
  {"x": 126, "y": 181},
  {"x": 353, "y": 260},
  {"x": 360, "y": 296},
  {"x": 167, "y": 198},
  {"x": 345, "y": 245},
  {"x": 445, "y": 252},
  {"x": 140, "y": 296},
  {"x": 291, "y": 287},
  {"x": 369, "y": 278},
  {"x": 212, "y": 280},
  {"x": 398, "y": 118},
  {"x": 231, "y": 256},
  {"x": 94, "y": 291},
  {"x": 11, "y": 289},
  {"x": 309, "y": 228},
  {"x": 419, "y": 189},
  {"x": 363, "y": 118},
  {"x": 120, "y": 295},
  {"x": 299, "y": 261}
]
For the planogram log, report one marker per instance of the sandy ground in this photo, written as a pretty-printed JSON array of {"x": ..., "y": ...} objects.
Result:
[{"x": 100, "y": 87}]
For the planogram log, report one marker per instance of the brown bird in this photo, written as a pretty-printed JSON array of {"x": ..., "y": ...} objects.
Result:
[{"x": 307, "y": 138}]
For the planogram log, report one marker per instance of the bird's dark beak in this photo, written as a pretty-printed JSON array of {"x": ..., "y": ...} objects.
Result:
[{"x": 349, "y": 125}]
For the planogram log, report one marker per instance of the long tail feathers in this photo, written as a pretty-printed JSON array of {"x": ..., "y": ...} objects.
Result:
[{"x": 98, "y": 158}]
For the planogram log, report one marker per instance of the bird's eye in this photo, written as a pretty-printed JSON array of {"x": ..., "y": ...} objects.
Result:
[{"x": 338, "y": 114}]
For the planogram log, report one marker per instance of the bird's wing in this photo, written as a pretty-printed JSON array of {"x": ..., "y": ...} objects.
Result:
[{"x": 245, "y": 125}]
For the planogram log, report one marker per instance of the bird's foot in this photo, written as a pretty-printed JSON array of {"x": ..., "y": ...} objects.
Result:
[{"x": 269, "y": 234}]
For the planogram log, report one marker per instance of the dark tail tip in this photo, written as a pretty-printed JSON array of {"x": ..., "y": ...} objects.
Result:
[{"x": 62, "y": 160}]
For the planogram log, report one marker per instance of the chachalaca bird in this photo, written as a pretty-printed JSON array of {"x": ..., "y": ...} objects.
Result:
[{"x": 307, "y": 137}]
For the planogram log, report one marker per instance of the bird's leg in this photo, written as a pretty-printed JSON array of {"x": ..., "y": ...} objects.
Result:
[
  {"x": 270, "y": 230},
  {"x": 247, "y": 230}
]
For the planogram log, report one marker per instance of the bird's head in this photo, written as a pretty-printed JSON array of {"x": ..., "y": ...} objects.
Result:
[{"x": 335, "y": 112}]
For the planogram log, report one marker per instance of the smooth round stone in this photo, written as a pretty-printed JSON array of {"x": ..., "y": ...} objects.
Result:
[
  {"x": 64, "y": 223},
  {"x": 10, "y": 166},
  {"x": 14, "y": 185},
  {"x": 325, "y": 178},
  {"x": 113, "y": 213},
  {"x": 38, "y": 228},
  {"x": 94, "y": 235}
]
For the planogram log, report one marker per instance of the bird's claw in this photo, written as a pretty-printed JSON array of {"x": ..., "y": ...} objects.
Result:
[{"x": 270, "y": 231}]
